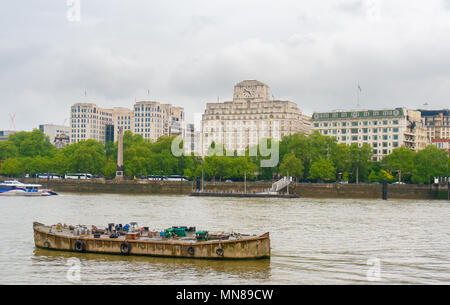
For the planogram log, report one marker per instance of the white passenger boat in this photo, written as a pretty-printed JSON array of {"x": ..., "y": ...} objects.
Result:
[{"x": 16, "y": 188}]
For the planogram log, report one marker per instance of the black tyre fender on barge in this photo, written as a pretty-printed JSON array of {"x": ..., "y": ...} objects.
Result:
[
  {"x": 125, "y": 248},
  {"x": 79, "y": 246},
  {"x": 219, "y": 251}
]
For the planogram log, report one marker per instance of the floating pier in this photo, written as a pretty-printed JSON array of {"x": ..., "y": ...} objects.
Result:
[{"x": 242, "y": 195}]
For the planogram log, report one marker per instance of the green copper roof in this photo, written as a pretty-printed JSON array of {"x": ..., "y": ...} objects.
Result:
[{"x": 397, "y": 112}]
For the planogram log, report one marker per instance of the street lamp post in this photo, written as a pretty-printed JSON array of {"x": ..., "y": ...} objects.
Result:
[{"x": 203, "y": 171}]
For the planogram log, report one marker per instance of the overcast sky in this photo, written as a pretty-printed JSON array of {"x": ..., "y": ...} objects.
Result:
[{"x": 188, "y": 52}]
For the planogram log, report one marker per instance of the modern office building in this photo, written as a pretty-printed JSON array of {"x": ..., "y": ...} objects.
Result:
[
  {"x": 122, "y": 117},
  {"x": 88, "y": 121},
  {"x": 4, "y": 134},
  {"x": 437, "y": 123},
  {"x": 55, "y": 132},
  {"x": 384, "y": 129},
  {"x": 251, "y": 115},
  {"x": 153, "y": 119},
  {"x": 176, "y": 121},
  {"x": 191, "y": 138},
  {"x": 442, "y": 144},
  {"x": 147, "y": 118}
]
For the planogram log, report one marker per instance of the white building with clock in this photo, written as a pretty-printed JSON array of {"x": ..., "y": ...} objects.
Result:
[{"x": 251, "y": 116}]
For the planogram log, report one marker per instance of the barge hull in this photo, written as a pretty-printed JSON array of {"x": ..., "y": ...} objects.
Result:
[{"x": 246, "y": 248}]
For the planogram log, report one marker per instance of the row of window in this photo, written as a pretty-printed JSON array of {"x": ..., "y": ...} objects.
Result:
[
  {"x": 356, "y": 130},
  {"x": 143, "y": 108},
  {"x": 381, "y": 152},
  {"x": 367, "y": 138},
  {"x": 146, "y": 120},
  {"x": 85, "y": 110},
  {"x": 356, "y": 123},
  {"x": 148, "y": 114},
  {"x": 245, "y": 117},
  {"x": 93, "y": 118}
]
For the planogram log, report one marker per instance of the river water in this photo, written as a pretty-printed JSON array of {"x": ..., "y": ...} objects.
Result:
[{"x": 314, "y": 241}]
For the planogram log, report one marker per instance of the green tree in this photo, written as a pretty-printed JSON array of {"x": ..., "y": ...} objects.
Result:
[
  {"x": 360, "y": 161},
  {"x": 430, "y": 162},
  {"x": 87, "y": 156},
  {"x": 136, "y": 166},
  {"x": 401, "y": 160},
  {"x": 340, "y": 155},
  {"x": 109, "y": 169},
  {"x": 322, "y": 169},
  {"x": 218, "y": 166},
  {"x": 110, "y": 149},
  {"x": 60, "y": 164},
  {"x": 242, "y": 167},
  {"x": 32, "y": 144},
  {"x": 385, "y": 175},
  {"x": 291, "y": 166},
  {"x": 8, "y": 150},
  {"x": 373, "y": 177},
  {"x": 11, "y": 167}
]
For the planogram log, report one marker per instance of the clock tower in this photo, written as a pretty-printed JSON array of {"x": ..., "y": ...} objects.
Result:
[{"x": 251, "y": 90}]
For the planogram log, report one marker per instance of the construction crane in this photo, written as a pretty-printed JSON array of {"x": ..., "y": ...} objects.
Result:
[{"x": 12, "y": 117}]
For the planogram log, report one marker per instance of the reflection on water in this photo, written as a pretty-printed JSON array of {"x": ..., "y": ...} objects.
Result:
[
  {"x": 314, "y": 241},
  {"x": 251, "y": 269}
]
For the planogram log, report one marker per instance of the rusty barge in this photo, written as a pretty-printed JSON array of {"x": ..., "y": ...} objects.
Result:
[{"x": 141, "y": 241}]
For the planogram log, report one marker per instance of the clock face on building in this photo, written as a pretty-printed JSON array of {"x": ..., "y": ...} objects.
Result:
[{"x": 248, "y": 91}]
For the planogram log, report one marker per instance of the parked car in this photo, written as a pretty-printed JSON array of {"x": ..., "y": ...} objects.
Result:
[
  {"x": 399, "y": 182},
  {"x": 228, "y": 181}
]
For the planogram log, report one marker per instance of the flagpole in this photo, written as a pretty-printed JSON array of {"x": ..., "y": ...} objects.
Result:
[
  {"x": 358, "y": 90},
  {"x": 357, "y": 97}
]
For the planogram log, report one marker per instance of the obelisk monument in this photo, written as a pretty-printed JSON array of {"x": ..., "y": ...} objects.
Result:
[{"x": 119, "y": 171}]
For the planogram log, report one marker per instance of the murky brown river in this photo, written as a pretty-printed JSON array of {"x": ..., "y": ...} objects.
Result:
[{"x": 314, "y": 241}]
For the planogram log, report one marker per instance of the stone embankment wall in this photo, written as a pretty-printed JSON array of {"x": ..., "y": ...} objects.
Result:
[{"x": 311, "y": 190}]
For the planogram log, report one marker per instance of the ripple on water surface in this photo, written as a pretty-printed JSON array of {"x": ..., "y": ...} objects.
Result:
[{"x": 314, "y": 241}]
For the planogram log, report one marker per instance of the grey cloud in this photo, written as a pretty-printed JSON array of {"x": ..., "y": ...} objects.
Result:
[
  {"x": 190, "y": 52},
  {"x": 354, "y": 7},
  {"x": 446, "y": 4}
]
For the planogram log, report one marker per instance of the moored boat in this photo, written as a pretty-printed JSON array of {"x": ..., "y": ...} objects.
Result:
[
  {"x": 173, "y": 242},
  {"x": 16, "y": 188}
]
